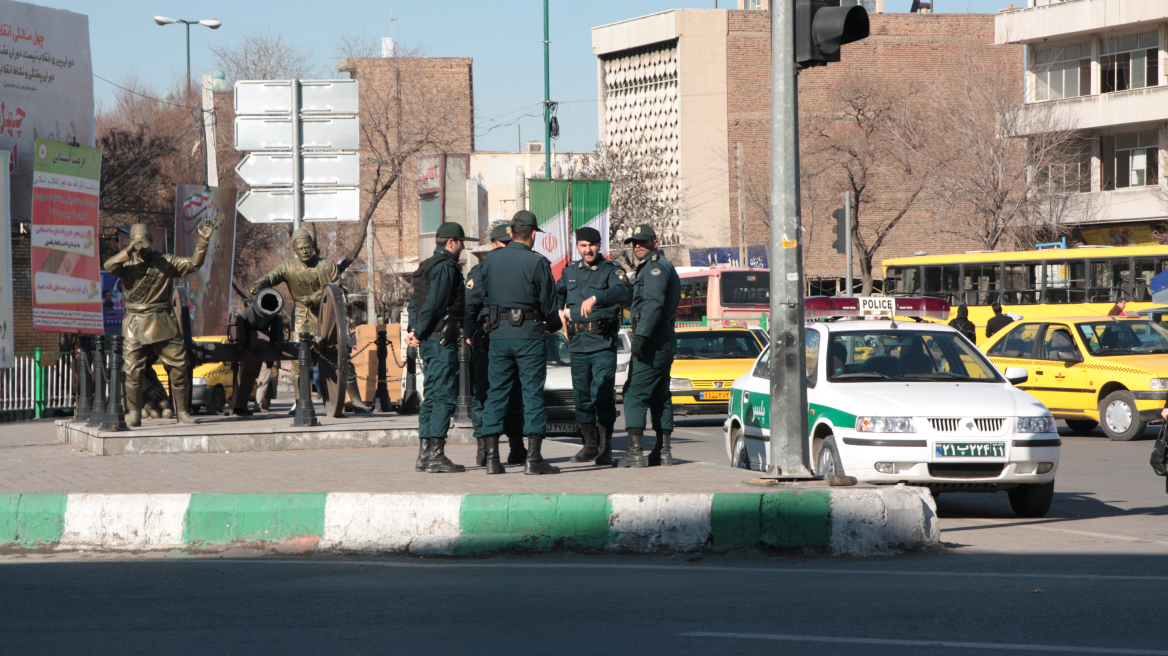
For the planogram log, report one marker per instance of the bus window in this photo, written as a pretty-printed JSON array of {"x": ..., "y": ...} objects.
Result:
[
  {"x": 692, "y": 306},
  {"x": 745, "y": 288},
  {"x": 1110, "y": 280},
  {"x": 981, "y": 283},
  {"x": 903, "y": 281},
  {"x": 1066, "y": 282},
  {"x": 1145, "y": 270},
  {"x": 1021, "y": 283},
  {"x": 942, "y": 282}
]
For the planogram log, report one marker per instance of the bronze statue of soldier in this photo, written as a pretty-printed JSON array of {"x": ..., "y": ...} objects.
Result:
[
  {"x": 150, "y": 328},
  {"x": 306, "y": 275}
]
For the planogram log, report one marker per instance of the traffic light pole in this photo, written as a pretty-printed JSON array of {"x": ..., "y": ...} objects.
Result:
[
  {"x": 787, "y": 447},
  {"x": 848, "y": 239}
]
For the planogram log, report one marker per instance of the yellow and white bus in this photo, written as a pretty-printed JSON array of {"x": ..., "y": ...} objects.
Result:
[{"x": 1082, "y": 281}]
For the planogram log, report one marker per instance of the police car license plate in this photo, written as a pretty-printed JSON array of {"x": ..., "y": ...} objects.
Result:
[
  {"x": 715, "y": 396},
  {"x": 970, "y": 450},
  {"x": 560, "y": 428}
]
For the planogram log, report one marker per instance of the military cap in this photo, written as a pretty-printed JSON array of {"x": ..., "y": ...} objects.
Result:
[
  {"x": 140, "y": 231},
  {"x": 502, "y": 232},
  {"x": 643, "y": 231},
  {"x": 591, "y": 235},
  {"x": 525, "y": 218},
  {"x": 303, "y": 233},
  {"x": 452, "y": 230}
]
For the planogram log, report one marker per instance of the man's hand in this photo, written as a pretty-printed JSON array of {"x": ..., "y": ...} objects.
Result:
[
  {"x": 638, "y": 342},
  {"x": 1164, "y": 413},
  {"x": 206, "y": 229},
  {"x": 413, "y": 341},
  {"x": 255, "y": 288},
  {"x": 565, "y": 318},
  {"x": 586, "y": 306}
]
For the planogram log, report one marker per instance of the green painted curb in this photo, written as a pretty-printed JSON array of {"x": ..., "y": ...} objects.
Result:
[
  {"x": 735, "y": 521},
  {"x": 31, "y": 520},
  {"x": 219, "y": 519},
  {"x": 795, "y": 519},
  {"x": 537, "y": 522}
]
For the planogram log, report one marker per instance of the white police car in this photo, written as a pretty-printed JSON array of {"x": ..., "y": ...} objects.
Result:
[{"x": 901, "y": 401}]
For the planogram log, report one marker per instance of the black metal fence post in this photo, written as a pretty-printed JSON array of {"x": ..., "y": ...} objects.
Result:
[
  {"x": 305, "y": 413},
  {"x": 382, "y": 385},
  {"x": 97, "y": 412},
  {"x": 115, "y": 414},
  {"x": 411, "y": 403},
  {"x": 84, "y": 393},
  {"x": 465, "y": 388}
]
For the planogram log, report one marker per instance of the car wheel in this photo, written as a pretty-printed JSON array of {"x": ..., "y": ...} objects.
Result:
[
  {"x": 218, "y": 401},
  {"x": 738, "y": 457},
  {"x": 1120, "y": 418},
  {"x": 1080, "y": 426},
  {"x": 1032, "y": 500},
  {"x": 828, "y": 463}
]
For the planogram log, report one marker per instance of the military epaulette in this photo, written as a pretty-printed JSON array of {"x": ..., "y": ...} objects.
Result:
[{"x": 654, "y": 258}]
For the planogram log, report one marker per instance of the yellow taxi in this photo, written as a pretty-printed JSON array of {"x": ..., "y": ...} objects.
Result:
[
  {"x": 707, "y": 363},
  {"x": 1090, "y": 370},
  {"x": 211, "y": 384}
]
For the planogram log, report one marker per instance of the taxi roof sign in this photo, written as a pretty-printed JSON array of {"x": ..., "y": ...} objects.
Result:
[{"x": 817, "y": 307}]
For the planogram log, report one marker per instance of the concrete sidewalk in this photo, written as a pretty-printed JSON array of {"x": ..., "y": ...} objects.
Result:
[{"x": 55, "y": 495}]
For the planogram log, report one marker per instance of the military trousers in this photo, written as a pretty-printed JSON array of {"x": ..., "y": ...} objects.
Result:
[
  {"x": 439, "y": 389},
  {"x": 480, "y": 364},
  {"x": 594, "y": 386},
  {"x": 648, "y": 387},
  {"x": 511, "y": 362},
  {"x": 172, "y": 353}
]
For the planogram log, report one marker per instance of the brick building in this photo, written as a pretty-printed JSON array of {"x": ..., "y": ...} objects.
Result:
[{"x": 711, "y": 68}]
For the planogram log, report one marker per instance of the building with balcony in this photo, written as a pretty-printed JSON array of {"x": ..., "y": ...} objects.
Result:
[{"x": 1100, "y": 65}]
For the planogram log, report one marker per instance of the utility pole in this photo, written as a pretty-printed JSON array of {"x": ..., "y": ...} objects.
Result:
[
  {"x": 788, "y": 400},
  {"x": 848, "y": 239},
  {"x": 547, "y": 98},
  {"x": 743, "y": 256},
  {"x": 211, "y": 156}
]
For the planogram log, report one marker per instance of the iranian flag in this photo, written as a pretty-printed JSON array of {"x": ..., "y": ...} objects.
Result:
[{"x": 563, "y": 206}]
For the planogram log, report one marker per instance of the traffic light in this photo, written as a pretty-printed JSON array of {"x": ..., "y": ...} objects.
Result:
[
  {"x": 822, "y": 26},
  {"x": 840, "y": 231}
]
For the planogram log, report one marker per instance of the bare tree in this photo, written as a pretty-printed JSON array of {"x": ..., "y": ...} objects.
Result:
[
  {"x": 1006, "y": 172},
  {"x": 874, "y": 148},
  {"x": 265, "y": 55},
  {"x": 640, "y": 187}
]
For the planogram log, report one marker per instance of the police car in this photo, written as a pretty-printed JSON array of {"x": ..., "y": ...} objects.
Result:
[{"x": 896, "y": 401}]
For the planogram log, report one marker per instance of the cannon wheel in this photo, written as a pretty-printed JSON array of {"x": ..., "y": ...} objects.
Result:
[
  {"x": 332, "y": 349},
  {"x": 180, "y": 303}
]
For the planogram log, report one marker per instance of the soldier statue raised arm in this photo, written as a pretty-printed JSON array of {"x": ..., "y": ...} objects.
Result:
[{"x": 150, "y": 327}]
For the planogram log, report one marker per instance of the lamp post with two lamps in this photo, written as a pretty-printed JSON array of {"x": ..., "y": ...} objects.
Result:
[{"x": 212, "y": 23}]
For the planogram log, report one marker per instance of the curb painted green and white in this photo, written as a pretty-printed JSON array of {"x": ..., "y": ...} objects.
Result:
[{"x": 857, "y": 521}]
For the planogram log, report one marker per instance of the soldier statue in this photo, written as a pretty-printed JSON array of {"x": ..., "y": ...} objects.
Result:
[
  {"x": 306, "y": 275},
  {"x": 150, "y": 327}
]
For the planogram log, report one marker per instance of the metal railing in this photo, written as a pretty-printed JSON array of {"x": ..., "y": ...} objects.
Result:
[
  {"x": 707, "y": 322},
  {"x": 31, "y": 389}
]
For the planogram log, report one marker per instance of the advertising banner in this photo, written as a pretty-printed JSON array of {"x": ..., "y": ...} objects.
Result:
[
  {"x": 6, "y": 337},
  {"x": 209, "y": 289},
  {"x": 46, "y": 89},
  {"x": 113, "y": 304},
  {"x": 65, "y": 267}
]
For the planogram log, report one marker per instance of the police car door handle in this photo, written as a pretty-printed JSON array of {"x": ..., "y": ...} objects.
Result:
[{"x": 1039, "y": 373}]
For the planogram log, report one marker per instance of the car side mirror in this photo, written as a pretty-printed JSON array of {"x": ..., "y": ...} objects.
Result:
[
  {"x": 1069, "y": 356},
  {"x": 1017, "y": 375}
]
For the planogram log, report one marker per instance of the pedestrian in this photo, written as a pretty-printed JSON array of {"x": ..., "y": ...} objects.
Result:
[
  {"x": 480, "y": 341},
  {"x": 656, "y": 294},
  {"x": 436, "y": 313},
  {"x": 963, "y": 325},
  {"x": 1117, "y": 310},
  {"x": 998, "y": 321},
  {"x": 592, "y": 292},
  {"x": 519, "y": 293}
]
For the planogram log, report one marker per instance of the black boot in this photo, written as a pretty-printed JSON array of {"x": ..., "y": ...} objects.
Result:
[
  {"x": 423, "y": 454},
  {"x": 492, "y": 459},
  {"x": 438, "y": 463},
  {"x": 589, "y": 452},
  {"x": 535, "y": 462},
  {"x": 633, "y": 457},
  {"x": 662, "y": 453},
  {"x": 481, "y": 454},
  {"x": 605, "y": 445},
  {"x": 518, "y": 453}
]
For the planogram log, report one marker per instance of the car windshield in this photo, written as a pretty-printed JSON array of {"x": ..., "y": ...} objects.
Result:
[
  {"x": 1109, "y": 337},
  {"x": 557, "y": 351},
  {"x": 900, "y": 355},
  {"x": 717, "y": 345}
]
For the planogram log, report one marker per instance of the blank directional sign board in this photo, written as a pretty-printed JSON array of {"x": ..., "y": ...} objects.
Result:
[
  {"x": 316, "y": 97},
  {"x": 275, "y": 169},
  {"x": 318, "y": 133},
  {"x": 320, "y": 204}
]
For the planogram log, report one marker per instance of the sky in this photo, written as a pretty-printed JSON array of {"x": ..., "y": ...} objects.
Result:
[{"x": 503, "y": 36}]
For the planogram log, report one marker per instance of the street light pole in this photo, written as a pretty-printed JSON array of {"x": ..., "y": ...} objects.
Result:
[
  {"x": 547, "y": 98},
  {"x": 211, "y": 23}
]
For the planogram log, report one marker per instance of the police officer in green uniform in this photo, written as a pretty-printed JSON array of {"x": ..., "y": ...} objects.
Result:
[
  {"x": 519, "y": 293},
  {"x": 593, "y": 290},
  {"x": 436, "y": 313},
  {"x": 656, "y": 293},
  {"x": 480, "y": 342}
]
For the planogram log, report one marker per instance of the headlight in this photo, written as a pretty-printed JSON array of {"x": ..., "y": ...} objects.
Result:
[
  {"x": 1036, "y": 424},
  {"x": 1159, "y": 384},
  {"x": 199, "y": 381},
  {"x": 622, "y": 366},
  {"x": 885, "y": 425},
  {"x": 679, "y": 383}
]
